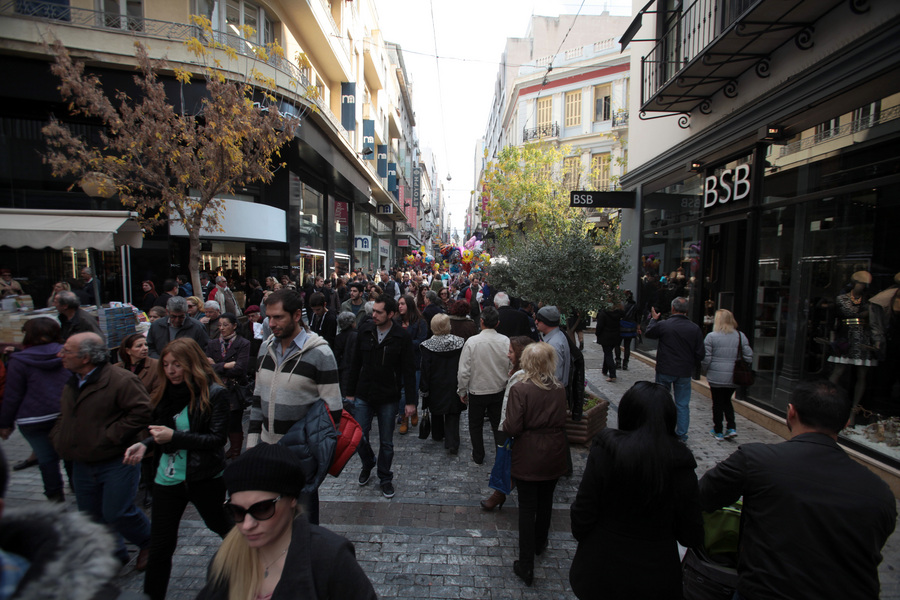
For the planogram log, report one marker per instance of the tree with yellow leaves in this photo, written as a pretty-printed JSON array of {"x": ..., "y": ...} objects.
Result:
[{"x": 164, "y": 161}]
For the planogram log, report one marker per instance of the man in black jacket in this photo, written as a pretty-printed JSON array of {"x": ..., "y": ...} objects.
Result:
[
  {"x": 176, "y": 325},
  {"x": 324, "y": 322},
  {"x": 382, "y": 363},
  {"x": 814, "y": 521},
  {"x": 680, "y": 350},
  {"x": 513, "y": 322}
]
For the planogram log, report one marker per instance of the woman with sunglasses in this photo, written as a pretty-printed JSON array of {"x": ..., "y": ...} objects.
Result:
[
  {"x": 273, "y": 552},
  {"x": 639, "y": 495},
  {"x": 190, "y": 420}
]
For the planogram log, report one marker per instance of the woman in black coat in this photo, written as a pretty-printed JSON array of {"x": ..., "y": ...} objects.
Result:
[
  {"x": 440, "y": 363},
  {"x": 608, "y": 337},
  {"x": 229, "y": 355},
  {"x": 190, "y": 416},
  {"x": 639, "y": 496}
]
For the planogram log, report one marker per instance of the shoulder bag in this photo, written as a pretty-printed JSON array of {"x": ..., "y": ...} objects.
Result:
[{"x": 743, "y": 374}]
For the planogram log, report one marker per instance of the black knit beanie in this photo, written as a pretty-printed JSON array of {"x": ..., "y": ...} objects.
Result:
[{"x": 266, "y": 468}]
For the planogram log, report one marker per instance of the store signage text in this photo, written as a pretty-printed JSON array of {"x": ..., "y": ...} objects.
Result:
[
  {"x": 362, "y": 243},
  {"x": 728, "y": 186}
]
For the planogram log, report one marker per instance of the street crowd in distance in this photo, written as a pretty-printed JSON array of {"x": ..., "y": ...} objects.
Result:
[{"x": 247, "y": 400}]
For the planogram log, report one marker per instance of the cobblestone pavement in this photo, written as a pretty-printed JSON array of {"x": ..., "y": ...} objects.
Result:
[{"x": 432, "y": 540}]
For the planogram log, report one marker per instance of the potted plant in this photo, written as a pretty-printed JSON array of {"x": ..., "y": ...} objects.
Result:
[{"x": 592, "y": 420}]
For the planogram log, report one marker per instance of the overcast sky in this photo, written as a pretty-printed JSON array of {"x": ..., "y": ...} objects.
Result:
[{"x": 469, "y": 36}]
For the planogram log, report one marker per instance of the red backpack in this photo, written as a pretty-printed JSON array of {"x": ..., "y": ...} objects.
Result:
[{"x": 349, "y": 435}]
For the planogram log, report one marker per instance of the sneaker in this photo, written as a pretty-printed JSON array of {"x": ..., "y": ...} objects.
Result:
[
  {"x": 364, "y": 476},
  {"x": 387, "y": 489},
  {"x": 719, "y": 437},
  {"x": 730, "y": 433}
]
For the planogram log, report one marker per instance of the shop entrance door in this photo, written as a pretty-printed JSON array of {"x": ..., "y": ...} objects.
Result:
[{"x": 726, "y": 272}]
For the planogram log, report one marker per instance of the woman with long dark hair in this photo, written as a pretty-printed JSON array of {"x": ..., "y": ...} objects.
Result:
[
  {"x": 273, "y": 552},
  {"x": 536, "y": 420},
  {"x": 34, "y": 382},
  {"x": 409, "y": 317},
  {"x": 190, "y": 417},
  {"x": 229, "y": 355},
  {"x": 133, "y": 353},
  {"x": 150, "y": 295},
  {"x": 639, "y": 496}
]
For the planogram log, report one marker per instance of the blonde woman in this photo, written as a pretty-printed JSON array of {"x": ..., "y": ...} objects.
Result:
[
  {"x": 536, "y": 419},
  {"x": 190, "y": 421},
  {"x": 273, "y": 552},
  {"x": 721, "y": 352},
  {"x": 195, "y": 307}
]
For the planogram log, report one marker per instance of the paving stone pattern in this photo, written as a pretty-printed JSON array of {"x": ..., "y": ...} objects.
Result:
[{"x": 432, "y": 540}]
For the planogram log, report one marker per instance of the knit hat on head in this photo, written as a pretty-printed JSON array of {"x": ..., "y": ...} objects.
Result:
[
  {"x": 266, "y": 468},
  {"x": 549, "y": 315}
]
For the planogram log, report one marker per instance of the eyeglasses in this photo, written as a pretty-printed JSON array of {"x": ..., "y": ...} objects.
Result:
[{"x": 261, "y": 511}]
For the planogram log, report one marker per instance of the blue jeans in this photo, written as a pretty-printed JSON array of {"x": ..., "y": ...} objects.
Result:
[
  {"x": 386, "y": 413},
  {"x": 38, "y": 437},
  {"x": 682, "y": 394},
  {"x": 105, "y": 490},
  {"x": 402, "y": 407}
]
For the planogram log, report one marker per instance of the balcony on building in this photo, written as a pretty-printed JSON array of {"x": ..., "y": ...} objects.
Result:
[
  {"x": 550, "y": 130},
  {"x": 704, "y": 46}
]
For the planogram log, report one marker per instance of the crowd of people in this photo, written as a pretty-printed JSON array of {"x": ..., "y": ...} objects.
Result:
[{"x": 169, "y": 417}]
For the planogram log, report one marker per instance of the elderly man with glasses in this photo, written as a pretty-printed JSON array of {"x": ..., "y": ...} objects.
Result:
[{"x": 176, "y": 325}]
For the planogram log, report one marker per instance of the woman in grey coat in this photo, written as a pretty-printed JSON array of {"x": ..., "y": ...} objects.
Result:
[{"x": 721, "y": 352}]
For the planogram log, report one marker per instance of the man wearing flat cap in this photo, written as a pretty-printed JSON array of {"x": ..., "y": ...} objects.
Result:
[{"x": 547, "y": 321}]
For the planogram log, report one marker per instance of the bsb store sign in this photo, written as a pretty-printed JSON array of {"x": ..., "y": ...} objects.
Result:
[{"x": 729, "y": 186}]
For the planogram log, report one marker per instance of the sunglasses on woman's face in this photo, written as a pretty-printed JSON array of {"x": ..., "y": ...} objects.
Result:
[{"x": 260, "y": 511}]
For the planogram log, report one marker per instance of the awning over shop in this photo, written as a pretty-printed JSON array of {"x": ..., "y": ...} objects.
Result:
[{"x": 80, "y": 229}]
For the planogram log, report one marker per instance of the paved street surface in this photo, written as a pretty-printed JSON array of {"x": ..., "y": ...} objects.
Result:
[{"x": 432, "y": 540}]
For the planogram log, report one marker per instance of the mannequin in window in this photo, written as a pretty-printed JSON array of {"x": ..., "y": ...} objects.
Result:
[{"x": 854, "y": 338}]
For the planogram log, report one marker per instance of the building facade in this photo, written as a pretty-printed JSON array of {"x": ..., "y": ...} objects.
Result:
[
  {"x": 575, "y": 96},
  {"x": 330, "y": 210},
  {"x": 766, "y": 166}
]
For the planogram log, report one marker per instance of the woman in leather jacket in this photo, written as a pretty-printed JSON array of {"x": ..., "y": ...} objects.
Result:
[{"x": 190, "y": 421}]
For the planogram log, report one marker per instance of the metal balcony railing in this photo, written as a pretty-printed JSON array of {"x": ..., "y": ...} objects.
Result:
[
  {"x": 542, "y": 131},
  {"x": 688, "y": 34},
  {"x": 166, "y": 30},
  {"x": 846, "y": 129}
]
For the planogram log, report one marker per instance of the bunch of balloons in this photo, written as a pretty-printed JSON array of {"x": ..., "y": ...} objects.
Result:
[{"x": 468, "y": 257}]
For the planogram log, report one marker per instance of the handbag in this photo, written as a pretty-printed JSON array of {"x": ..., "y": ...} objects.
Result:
[
  {"x": 242, "y": 392},
  {"x": 743, "y": 374},
  {"x": 349, "y": 435},
  {"x": 425, "y": 425},
  {"x": 501, "y": 474},
  {"x": 627, "y": 329}
]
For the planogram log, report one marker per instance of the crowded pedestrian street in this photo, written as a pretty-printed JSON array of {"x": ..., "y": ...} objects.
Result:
[{"x": 432, "y": 539}]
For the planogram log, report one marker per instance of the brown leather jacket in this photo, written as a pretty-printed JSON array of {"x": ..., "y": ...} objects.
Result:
[
  {"x": 100, "y": 420},
  {"x": 536, "y": 419},
  {"x": 148, "y": 374}
]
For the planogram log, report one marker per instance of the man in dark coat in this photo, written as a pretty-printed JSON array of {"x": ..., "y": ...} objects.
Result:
[
  {"x": 796, "y": 538},
  {"x": 72, "y": 318},
  {"x": 176, "y": 325},
  {"x": 512, "y": 322},
  {"x": 384, "y": 361},
  {"x": 680, "y": 350},
  {"x": 324, "y": 321}
]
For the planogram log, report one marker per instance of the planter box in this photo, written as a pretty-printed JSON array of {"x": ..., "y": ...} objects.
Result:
[{"x": 592, "y": 421}]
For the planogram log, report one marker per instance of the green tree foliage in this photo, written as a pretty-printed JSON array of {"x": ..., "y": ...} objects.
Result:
[
  {"x": 163, "y": 162},
  {"x": 574, "y": 268},
  {"x": 527, "y": 191}
]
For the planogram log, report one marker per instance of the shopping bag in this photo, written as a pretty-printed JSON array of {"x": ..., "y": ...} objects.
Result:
[
  {"x": 501, "y": 474},
  {"x": 425, "y": 425}
]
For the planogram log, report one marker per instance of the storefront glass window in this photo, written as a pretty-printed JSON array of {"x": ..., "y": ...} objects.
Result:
[
  {"x": 828, "y": 306},
  {"x": 311, "y": 214},
  {"x": 669, "y": 263},
  {"x": 362, "y": 228},
  {"x": 675, "y": 204}
]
